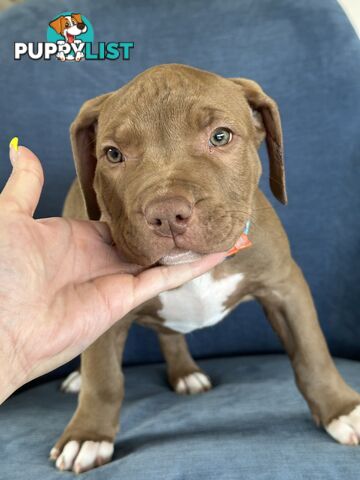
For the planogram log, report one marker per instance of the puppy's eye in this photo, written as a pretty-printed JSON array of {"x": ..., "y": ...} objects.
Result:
[
  {"x": 67, "y": 25},
  {"x": 221, "y": 136},
  {"x": 114, "y": 155}
]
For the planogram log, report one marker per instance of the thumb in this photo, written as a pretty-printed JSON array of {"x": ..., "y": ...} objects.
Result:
[
  {"x": 123, "y": 292},
  {"x": 23, "y": 188}
]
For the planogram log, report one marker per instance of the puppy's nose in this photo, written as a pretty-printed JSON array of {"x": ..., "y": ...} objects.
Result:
[
  {"x": 168, "y": 216},
  {"x": 81, "y": 26}
]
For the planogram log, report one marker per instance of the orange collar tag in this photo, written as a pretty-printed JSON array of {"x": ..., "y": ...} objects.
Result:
[{"x": 243, "y": 241}]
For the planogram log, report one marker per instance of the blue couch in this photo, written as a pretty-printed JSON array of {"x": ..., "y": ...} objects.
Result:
[{"x": 253, "y": 424}]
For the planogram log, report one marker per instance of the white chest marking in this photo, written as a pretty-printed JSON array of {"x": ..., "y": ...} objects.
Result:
[{"x": 197, "y": 304}]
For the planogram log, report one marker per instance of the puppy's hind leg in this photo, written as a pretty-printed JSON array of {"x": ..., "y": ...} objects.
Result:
[
  {"x": 290, "y": 309},
  {"x": 184, "y": 375}
]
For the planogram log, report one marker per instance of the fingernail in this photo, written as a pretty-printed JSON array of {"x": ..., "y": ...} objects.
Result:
[{"x": 14, "y": 147}]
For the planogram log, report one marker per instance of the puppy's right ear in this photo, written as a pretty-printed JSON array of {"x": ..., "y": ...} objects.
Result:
[
  {"x": 57, "y": 25},
  {"x": 83, "y": 142}
]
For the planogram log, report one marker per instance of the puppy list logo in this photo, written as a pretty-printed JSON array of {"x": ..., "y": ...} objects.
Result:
[{"x": 70, "y": 37}]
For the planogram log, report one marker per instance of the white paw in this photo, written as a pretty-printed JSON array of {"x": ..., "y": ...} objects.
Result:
[
  {"x": 196, "y": 382},
  {"x": 346, "y": 428},
  {"x": 72, "y": 383},
  {"x": 61, "y": 56},
  {"x": 80, "y": 459}
]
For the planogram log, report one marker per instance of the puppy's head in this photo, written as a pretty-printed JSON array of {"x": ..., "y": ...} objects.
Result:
[
  {"x": 70, "y": 24},
  {"x": 170, "y": 161}
]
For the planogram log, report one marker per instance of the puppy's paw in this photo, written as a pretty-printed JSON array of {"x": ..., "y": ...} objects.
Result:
[
  {"x": 61, "y": 56},
  {"x": 82, "y": 456},
  {"x": 72, "y": 383},
  {"x": 346, "y": 428},
  {"x": 196, "y": 382}
]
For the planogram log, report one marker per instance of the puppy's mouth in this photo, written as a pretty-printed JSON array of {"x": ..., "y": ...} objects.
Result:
[
  {"x": 70, "y": 38},
  {"x": 175, "y": 252},
  {"x": 177, "y": 256}
]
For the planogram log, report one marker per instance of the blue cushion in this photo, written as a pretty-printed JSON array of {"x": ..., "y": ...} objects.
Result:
[
  {"x": 253, "y": 425},
  {"x": 304, "y": 53}
]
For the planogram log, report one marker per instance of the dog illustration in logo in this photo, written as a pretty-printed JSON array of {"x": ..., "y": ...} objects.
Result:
[{"x": 69, "y": 26}]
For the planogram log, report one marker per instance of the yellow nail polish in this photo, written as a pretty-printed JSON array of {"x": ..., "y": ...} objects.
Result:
[{"x": 14, "y": 143}]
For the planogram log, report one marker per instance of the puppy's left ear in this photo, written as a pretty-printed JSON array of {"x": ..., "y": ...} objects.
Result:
[
  {"x": 267, "y": 121},
  {"x": 83, "y": 142}
]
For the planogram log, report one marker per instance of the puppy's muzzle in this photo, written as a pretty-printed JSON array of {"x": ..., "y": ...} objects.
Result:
[{"x": 168, "y": 216}]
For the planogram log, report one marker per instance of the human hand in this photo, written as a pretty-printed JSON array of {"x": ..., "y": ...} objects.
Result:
[{"x": 62, "y": 283}]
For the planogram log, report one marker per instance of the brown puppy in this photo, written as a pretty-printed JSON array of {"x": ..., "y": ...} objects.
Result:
[{"x": 170, "y": 162}]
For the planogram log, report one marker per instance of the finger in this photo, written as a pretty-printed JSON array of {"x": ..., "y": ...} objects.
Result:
[
  {"x": 110, "y": 298},
  {"x": 123, "y": 292},
  {"x": 22, "y": 191},
  {"x": 151, "y": 282}
]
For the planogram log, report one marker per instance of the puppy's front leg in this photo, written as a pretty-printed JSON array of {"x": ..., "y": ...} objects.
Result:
[
  {"x": 289, "y": 306},
  {"x": 88, "y": 440},
  {"x": 184, "y": 375}
]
